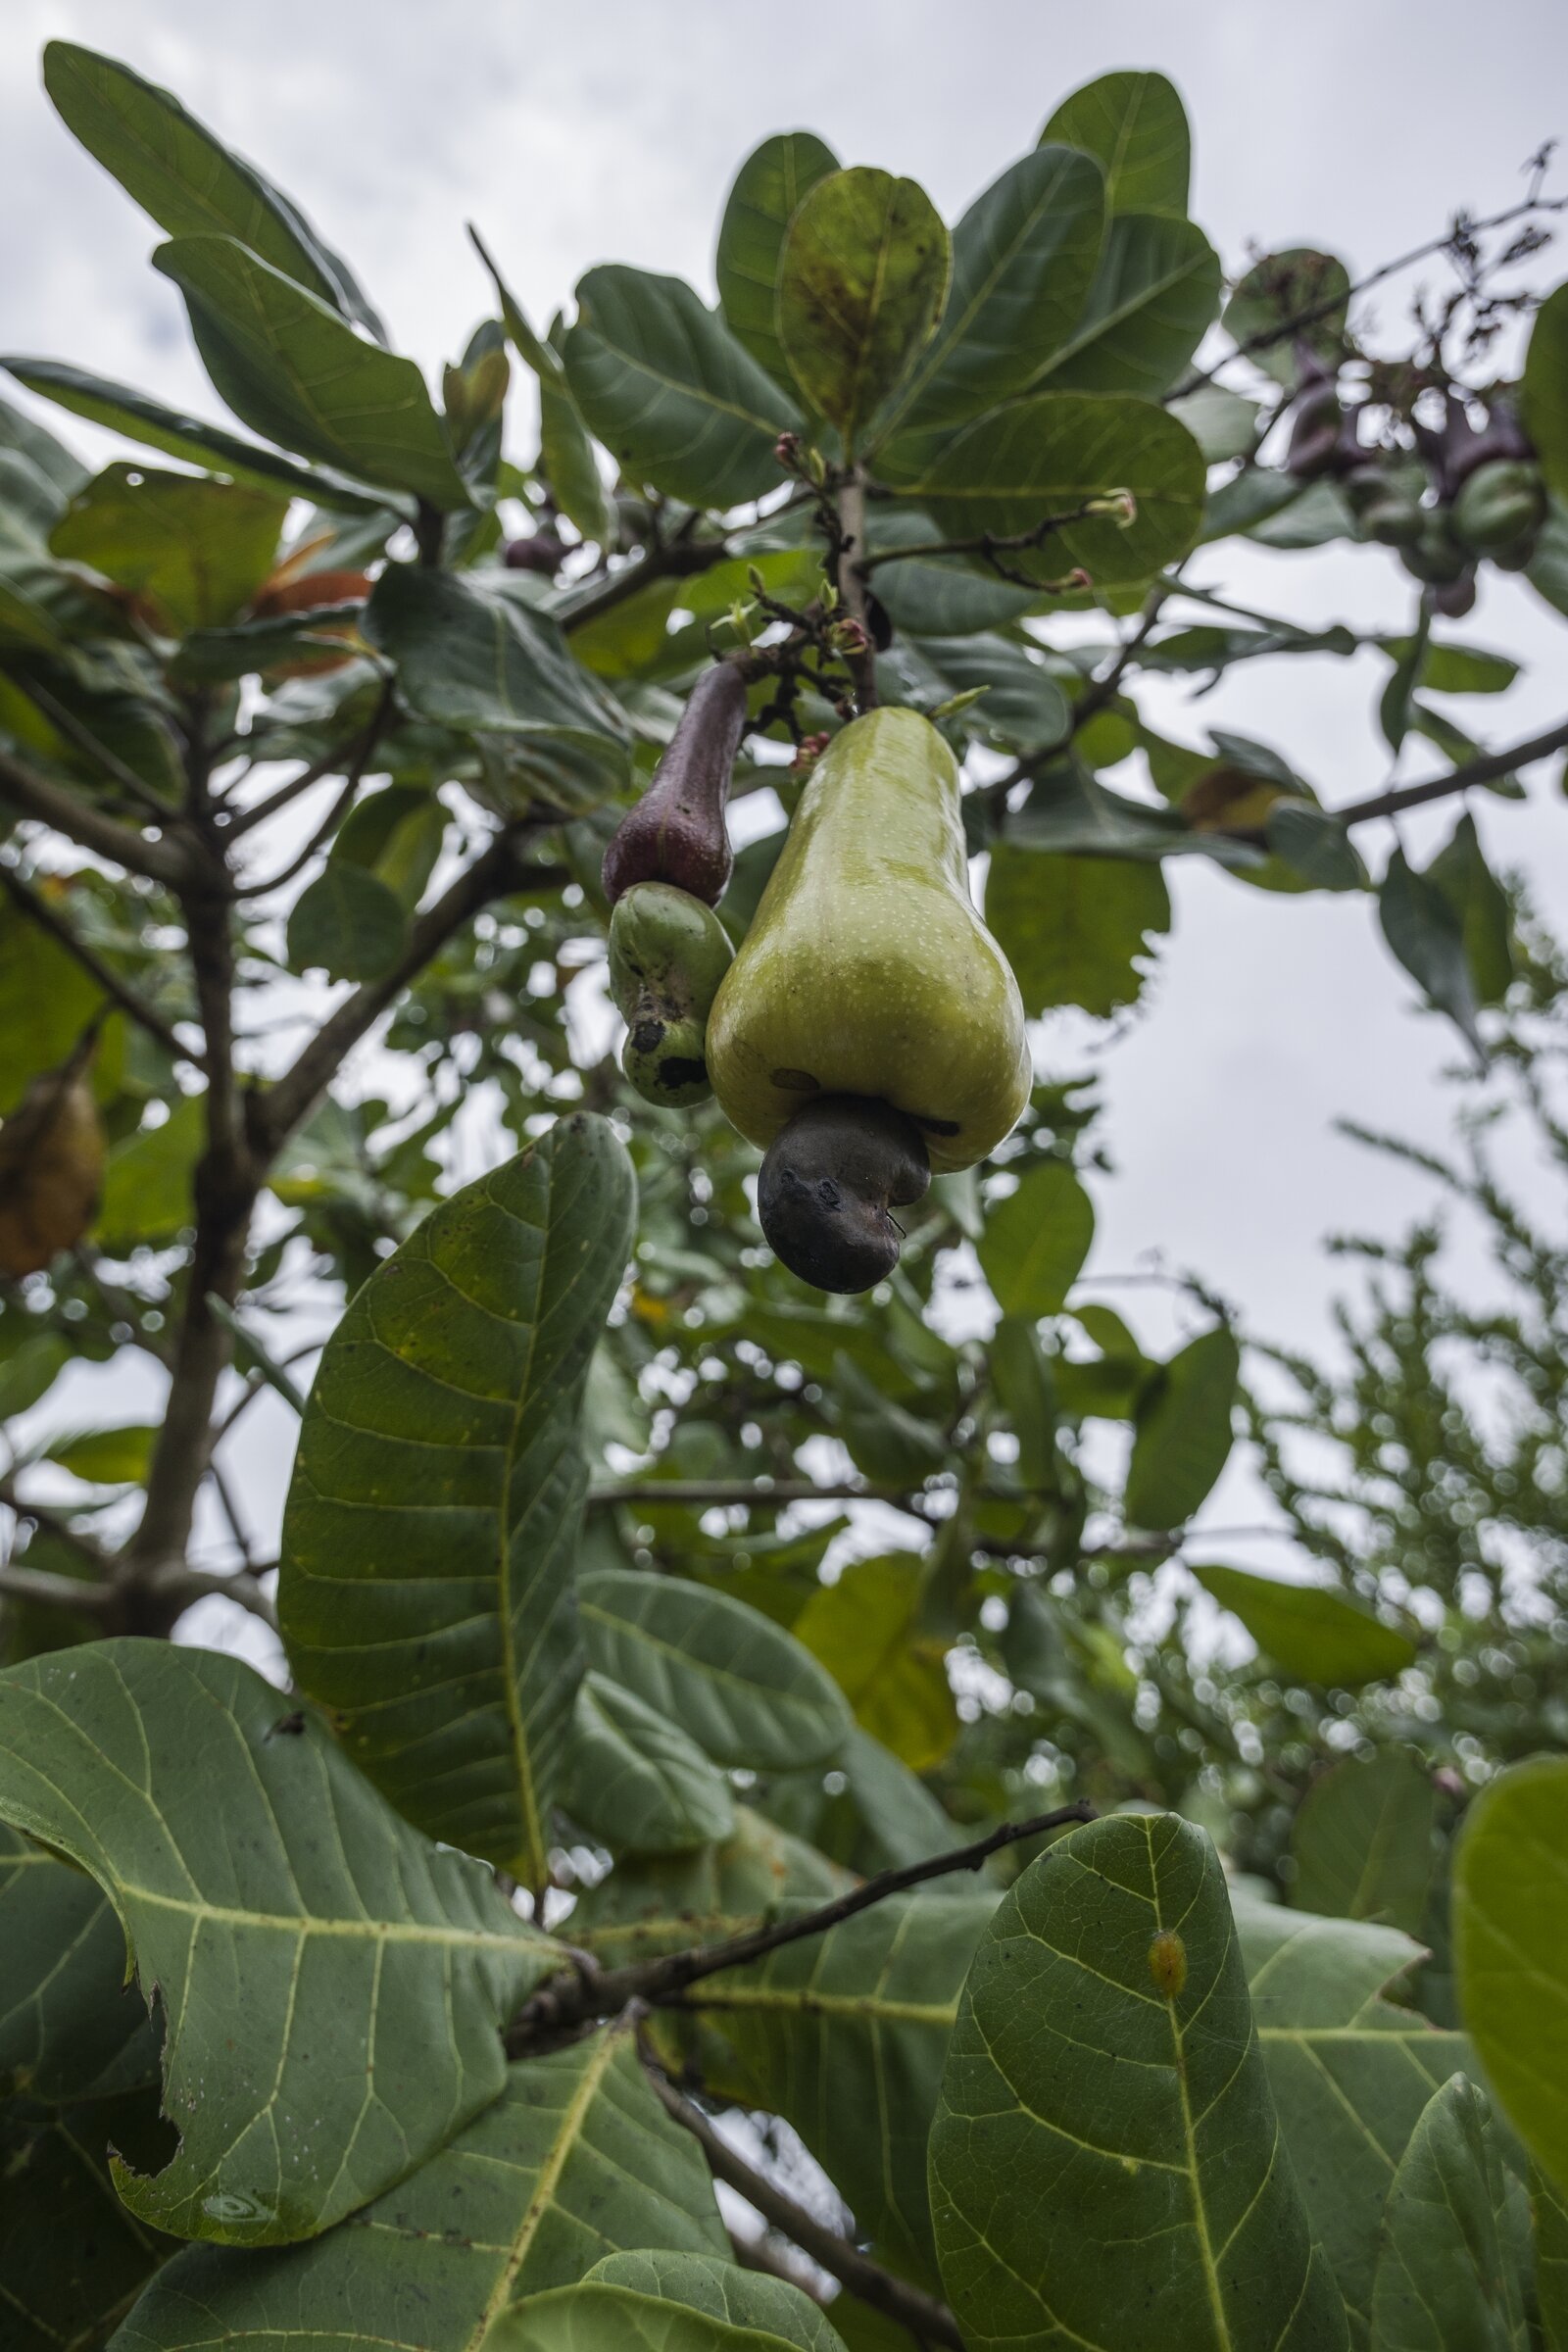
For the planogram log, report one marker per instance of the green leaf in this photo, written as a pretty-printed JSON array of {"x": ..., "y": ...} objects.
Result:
[
  {"x": 377, "y": 1970},
  {"x": 107, "y": 1457},
  {"x": 1510, "y": 1929},
  {"x": 154, "y": 426},
  {"x": 185, "y": 179},
  {"x": 1362, "y": 1841},
  {"x": 1457, "y": 2237},
  {"x": 1316, "y": 1635},
  {"x": 565, "y": 452},
  {"x": 1023, "y": 259},
  {"x": 1182, "y": 1434},
  {"x": 843, "y": 2034},
  {"x": 1481, "y": 903},
  {"x": 1036, "y": 1241},
  {"x": 1314, "y": 844},
  {"x": 1050, "y": 454},
  {"x": 1425, "y": 933},
  {"x": 46, "y": 1002},
  {"x": 1549, "y": 2211},
  {"x": 663, "y": 1904},
  {"x": 1274, "y": 296},
  {"x": 899, "y": 1820},
  {"x": 71, "y": 2256},
  {"x": 38, "y": 448},
  {"x": 1073, "y": 928},
  {"x": 669, "y": 2303},
  {"x": 295, "y": 372},
  {"x": 1070, "y": 812},
  {"x": 864, "y": 1630},
  {"x": 862, "y": 280},
  {"x": 1105, "y": 2162},
  {"x": 30, "y": 1369},
  {"x": 216, "y": 656},
  {"x": 768, "y": 190},
  {"x": 574, "y": 2161},
  {"x": 946, "y": 599},
  {"x": 70, "y": 2028},
  {"x": 1223, "y": 423},
  {"x": 471, "y": 655},
  {"x": 425, "y": 1592},
  {"x": 1545, "y": 389},
  {"x": 1350, "y": 2073},
  {"x": 1547, "y": 568},
  {"x": 147, "y": 1194},
  {"x": 395, "y": 834},
  {"x": 347, "y": 923},
  {"x": 745, "y": 1689},
  {"x": 675, "y": 399},
  {"x": 198, "y": 549},
  {"x": 635, "y": 1781},
  {"x": 1023, "y": 707},
  {"x": 1134, "y": 125},
  {"x": 1152, "y": 300}
]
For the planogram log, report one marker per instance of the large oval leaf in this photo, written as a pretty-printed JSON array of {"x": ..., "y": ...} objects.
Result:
[
  {"x": 1048, "y": 456},
  {"x": 1511, "y": 1933},
  {"x": 1456, "y": 2237},
  {"x": 185, "y": 179},
  {"x": 334, "y": 1986},
  {"x": 1153, "y": 298},
  {"x": 576, "y": 2159},
  {"x": 1362, "y": 1841},
  {"x": 429, "y": 1544},
  {"x": 152, "y": 426},
  {"x": 768, "y": 187},
  {"x": 1351, "y": 2070},
  {"x": 1546, "y": 388},
  {"x": 198, "y": 549},
  {"x": 845, "y": 2035},
  {"x": 71, "y": 2258},
  {"x": 675, "y": 399},
  {"x": 1023, "y": 260},
  {"x": 635, "y": 1781},
  {"x": 669, "y": 2303},
  {"x": 1036, "y": 1241},
  {"x": 295, "y": 372},
  {"x": 1076, "y": 930},
  {"x": 471, "y": 655},
  {"x": 1316, "y": 1634},
  {"x": 664, "y": 1904},
  {"x": 1136, "y": 128},
  {"x": 1106, "y": 2165},
  {"x": 862, "y": 282},
  {"x": 747, "y": 1691}
]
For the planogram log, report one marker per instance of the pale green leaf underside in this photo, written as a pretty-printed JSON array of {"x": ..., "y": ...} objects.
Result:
[
  {"x": 635, "y": 1781},
  {"x": 1455, "y": 2236},
  {"x": 576, "y": 2159},
  {"x": 431, "y": 1529},
  {"x": 333, "y": 1985}
]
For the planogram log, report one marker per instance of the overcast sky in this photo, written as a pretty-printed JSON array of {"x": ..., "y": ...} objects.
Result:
[{"x": 611, "y": 133}]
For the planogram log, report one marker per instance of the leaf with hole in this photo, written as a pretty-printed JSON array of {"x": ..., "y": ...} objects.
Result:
[
  {"x": 425, "y": 1595},
  {"x": 1106, "y": 2164},
  {"x": 862, "y": 281},
  {"x": 241, "y": 1850},
  {"x": 576, "y": 2159}
]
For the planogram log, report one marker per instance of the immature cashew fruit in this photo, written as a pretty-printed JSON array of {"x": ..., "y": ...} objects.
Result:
[
  {"x": 867, "y": 976},
  {"x": 1501, "y": 504},
  {"x": 677, "y": 833},
  {"x": 1387, "y": 508},
  {"x": 51, "y": 1168},
  {"x": 667, "y": 954}
]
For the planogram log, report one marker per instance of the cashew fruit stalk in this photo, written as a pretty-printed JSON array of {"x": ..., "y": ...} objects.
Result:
[{"x": 677, "y": 833}]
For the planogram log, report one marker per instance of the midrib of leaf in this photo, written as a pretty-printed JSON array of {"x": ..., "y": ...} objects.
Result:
[
  {"x": 1103, "y": 325},
  {"x": 1216, "y": 2301},
  {"x": 686, "y": 391},
  {"x": 830, "y": 2004},
  {"x": 306, "y": 1923},
  {"x": 548, "y": 2180}
]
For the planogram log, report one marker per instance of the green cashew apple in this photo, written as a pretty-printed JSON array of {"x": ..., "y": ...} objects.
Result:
[
  {"x": 868, "y": 977},
  {"x": 1501, "y": 504},
  {"x": 667, "y": 954}
]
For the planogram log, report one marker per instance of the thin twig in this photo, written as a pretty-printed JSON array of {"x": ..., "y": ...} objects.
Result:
[
  {"x": 1482, "y": 770},
  {"x": 55, "y": 1523},
  {"x": 38, "y": 909},
  {"x": 49, "y": 804},
  {"x": 329, "y": 763},
  {"x": 21, "y": 1583},
  {"x": 927, "y": 2320},
  {"x": 566, "y": 2001},
  {"x": 341, "y": 800}
]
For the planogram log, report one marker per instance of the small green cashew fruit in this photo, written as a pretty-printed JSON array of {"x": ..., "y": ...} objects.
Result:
[
  {"x": 1501, "y": 504},
  {"x": 667, "y": 954},
  {"x": 1435, "y": 557}
]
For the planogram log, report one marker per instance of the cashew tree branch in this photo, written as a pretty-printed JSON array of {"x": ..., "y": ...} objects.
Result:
[{"x": 49, "y": 804}]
